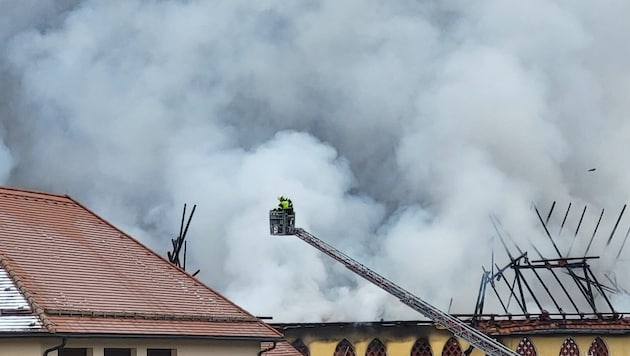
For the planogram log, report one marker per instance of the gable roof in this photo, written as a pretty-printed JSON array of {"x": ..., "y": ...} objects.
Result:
[{"x": 80, "y": 274}]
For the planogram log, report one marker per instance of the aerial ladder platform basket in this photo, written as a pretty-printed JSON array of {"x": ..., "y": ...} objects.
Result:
[{"x": 282, "y": 222}]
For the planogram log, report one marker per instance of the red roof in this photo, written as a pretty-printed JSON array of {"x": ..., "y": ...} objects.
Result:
[
  {"x": 80, "y": 274},
  {"x": 282, "y": 348},
  {"x": 616, "y": 325}
]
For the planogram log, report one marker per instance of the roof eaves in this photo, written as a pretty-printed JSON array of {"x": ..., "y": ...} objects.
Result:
[{"x": 37, "y": 310}]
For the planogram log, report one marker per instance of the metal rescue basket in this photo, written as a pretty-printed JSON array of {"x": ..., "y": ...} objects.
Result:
[{"x": 282, "y": 222}]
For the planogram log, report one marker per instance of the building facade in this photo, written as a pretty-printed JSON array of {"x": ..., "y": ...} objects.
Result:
[{"x": 422, "y": 338}]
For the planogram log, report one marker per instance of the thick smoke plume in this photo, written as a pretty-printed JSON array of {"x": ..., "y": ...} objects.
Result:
[{"x": 396, "y": 127}]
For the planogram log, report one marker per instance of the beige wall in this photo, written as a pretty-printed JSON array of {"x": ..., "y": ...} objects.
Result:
[
  {"x": 26, "y": 347},
  {"x": 37, "y": 346}
]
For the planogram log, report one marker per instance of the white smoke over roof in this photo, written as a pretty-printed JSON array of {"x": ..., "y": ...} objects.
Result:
[{"x": 396, "y": 128}]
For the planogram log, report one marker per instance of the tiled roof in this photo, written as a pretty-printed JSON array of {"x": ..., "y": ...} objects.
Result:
[
  {"x": 80, "y": 274},
  {"x": 282, "y": 348}
]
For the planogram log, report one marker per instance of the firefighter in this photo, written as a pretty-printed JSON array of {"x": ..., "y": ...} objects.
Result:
[
  {"x": 282, "y": 202},
  {"x": 285, "y": 204}
]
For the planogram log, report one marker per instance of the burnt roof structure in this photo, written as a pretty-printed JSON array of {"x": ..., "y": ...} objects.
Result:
[{"x": 558, "y": 291}]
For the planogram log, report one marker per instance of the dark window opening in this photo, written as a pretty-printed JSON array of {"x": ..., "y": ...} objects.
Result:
[
  {"x": 376, "y": 348},
  {"x": 598, "y": 348},
  {"x": 117, "y": 352},
  {"x": 159, "y": 352},
  {"x": 569, "y": 348},
  {"x": 344, "y": 348},
  {"x": 421, "y": 348},
  {"x": 72, "y": 352},
  {"x": 452, "y": 348},
  {"x": 526, "y": 348}
]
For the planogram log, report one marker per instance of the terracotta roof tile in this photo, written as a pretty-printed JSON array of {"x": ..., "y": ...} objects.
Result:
[
  {"x": 282, "y": 348},
  {"x": 533, "y": 326},
  {"x": 72, "y": 263},
  {"x": 89, "y": 325}
]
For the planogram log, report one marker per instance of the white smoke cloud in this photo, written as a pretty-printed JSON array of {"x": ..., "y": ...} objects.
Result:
[{"x": 396, "y": 128}]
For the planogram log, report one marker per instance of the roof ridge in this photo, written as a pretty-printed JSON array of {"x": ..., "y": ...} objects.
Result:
[
  {"x": 37, "y": 310},
  {"x": 188, "y": 275},
  {"x": 32, "y": 193}
]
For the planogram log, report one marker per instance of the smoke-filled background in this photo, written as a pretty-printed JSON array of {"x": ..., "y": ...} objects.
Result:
[{"x": 396, "y": 127}]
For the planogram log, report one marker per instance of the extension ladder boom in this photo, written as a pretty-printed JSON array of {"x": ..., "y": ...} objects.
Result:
[{"x": 475, "y": 337}]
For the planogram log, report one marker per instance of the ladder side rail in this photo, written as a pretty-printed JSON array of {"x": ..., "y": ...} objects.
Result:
[
  {"x": 478, "y": 339},
  {"x": 351, "y": 264},
  {"x": 460, "y": 328}
]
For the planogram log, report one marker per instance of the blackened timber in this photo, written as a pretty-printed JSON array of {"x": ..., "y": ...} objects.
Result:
[
  {"x": 545, "y": 287},
  {"x": 589, "y": 288},
  {"x": 564, "y": 220},
  {"x": 564, "y": 289},
  {"x": 612, "y": 233},
  {"x": 179, "y": 242},
  {"x": 571, "y": 273},
  {"x": 616, "y": 287},
  {"x": 594, "y": 232},
  {"x": 507, "y": 250},
  {"x": 547, "y": 232},
  {"x": 601, "y": 290},
  {"x": 569, "y": 266},
  {"x": 603, "y": 286},
  {"x": 482, "y": 292},
  {"x": 189, "y": 219},
  {"x": 500, "y": 271},
  {"x": 566, "y": 259},
  {"x": 518, "y": 278},
  {"x": 565, "y": 316},
  {"x": 573, "y": 265},
  {"x": 537, "y": 276},
  {"x": 577, "y": 229},
  {"x": 529, "y": 289},
  {"x": 185, "y": 249},
  {"x": 181, "y": 224},
  {"x": 550, "y": 212},
  {"x": 494, "y": 288},
  {"x": 516, "y": 263},
  {"x": 512, "y": 293},
  {"x": 624, "y": 243}
]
